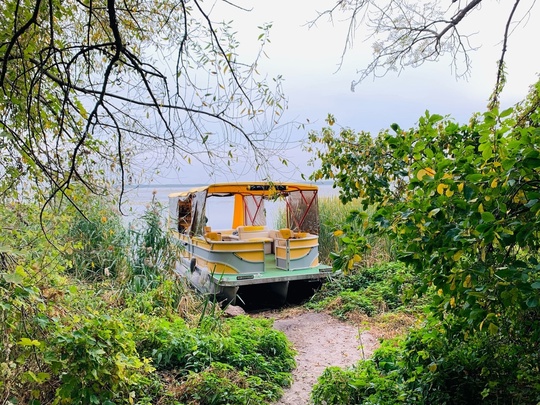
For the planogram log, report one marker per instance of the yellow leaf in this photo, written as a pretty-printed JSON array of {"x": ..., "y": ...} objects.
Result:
[
  {"x": 457, "y": 255},
  {"x": 481, "y": 208},
  {"x": 350, "y": 264},
  {"x": 460, "y": 187},
  {"x": 357, "y": 258},
  {"x": 430, "y": 171},
  {"x": 432, "y": 367},
  {"x": 447, "y": 176},
  {"x": 449, "y": 193},
  {"x": 440, "y": 188},
  {"x": 467, "y": 283},
  {"x": 420, "y": 175},
  {"x": 452, "y": 302},
  {"x": 338, "y": 233},
  {"x": 494, "y": 183}
]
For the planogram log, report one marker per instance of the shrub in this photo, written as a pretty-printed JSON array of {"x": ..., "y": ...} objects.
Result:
[
  {"x": 98, "y": 240},
  {"x": 151, "y": 252},
  {"x": 242, "y": 350},
  {"x": 372, "y": 290},
  {"x": 433, "y": 366},
  {"x": 222, "y": 384},
  {"x": 97, "y": 363}
]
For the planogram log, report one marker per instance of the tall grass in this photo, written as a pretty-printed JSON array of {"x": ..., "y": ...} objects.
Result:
[
  {"x": 99, "y": 241},
  {"x": 151, "y": 253},
  {"x": 332, "y": 215}
]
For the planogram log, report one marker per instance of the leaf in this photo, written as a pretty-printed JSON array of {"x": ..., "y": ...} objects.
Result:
[
  {"x": 28, "y": 342},
  {"x": 420, "y": 175},
  {"x": 425, "y": 172},
  {"x": 441, "y": 187},
  {"x": 457, "y": 255},
  {"x": 488, "y": 217},
  {"x": 536, "y": 285},
  {"x": 13, "y": 278},
  {"x": 475, "y": 177}
]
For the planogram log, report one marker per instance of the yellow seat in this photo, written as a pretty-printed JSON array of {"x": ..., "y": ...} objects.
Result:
[
  {"x": 214, "y": 236},
  {"x": 286, "y": 233}
]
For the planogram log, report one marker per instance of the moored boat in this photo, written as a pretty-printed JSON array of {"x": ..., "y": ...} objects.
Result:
[{"x": 223, "y": 261}]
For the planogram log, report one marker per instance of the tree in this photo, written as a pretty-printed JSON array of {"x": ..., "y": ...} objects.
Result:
[
  {"x": 409, "y": 33},
  {"x": 87, "y": 84},
  {"x": 461, "y": 202}
]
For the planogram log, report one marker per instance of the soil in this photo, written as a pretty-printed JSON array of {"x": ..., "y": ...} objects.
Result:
[{"x": 320, "y": 341}]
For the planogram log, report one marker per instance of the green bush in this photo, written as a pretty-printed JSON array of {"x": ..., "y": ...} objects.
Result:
[
  {"x": 151, "y": 252},
  {"x": 433, "y": 366},
  {"x": 98, "y": 240},
  {"x": 240, "y": 349},
  {"x": 373, "y": 290},
  {"x": 222, "y": 384},
  {"x": 97, "y": 363}
]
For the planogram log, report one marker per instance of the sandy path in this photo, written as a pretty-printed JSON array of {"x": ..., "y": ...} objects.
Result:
[{"x": 320, "y": 341}]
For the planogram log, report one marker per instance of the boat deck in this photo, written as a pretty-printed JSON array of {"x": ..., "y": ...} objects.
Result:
[{"x": 272, "y": 274}]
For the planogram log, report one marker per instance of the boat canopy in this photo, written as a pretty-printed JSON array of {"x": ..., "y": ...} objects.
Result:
[{"x": 187, "y": 208}]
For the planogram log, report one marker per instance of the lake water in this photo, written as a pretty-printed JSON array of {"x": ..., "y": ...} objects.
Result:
[{"x": 219, "y": 210}]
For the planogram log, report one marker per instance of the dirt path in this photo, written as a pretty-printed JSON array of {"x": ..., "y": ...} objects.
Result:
[{"x": 320, "y": 341}]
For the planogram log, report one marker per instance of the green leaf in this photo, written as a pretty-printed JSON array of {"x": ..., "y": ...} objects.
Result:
[
  {"x": 488, "y": 217},
  {"x": 475, "y": 177},
  {"x": 28, "y": 342},
  {"x": 13, "y": 278},
  {"x": 536, "y": 285}
]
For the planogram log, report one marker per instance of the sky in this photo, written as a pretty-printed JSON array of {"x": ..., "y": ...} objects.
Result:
[{"x": 308, "y": 60}]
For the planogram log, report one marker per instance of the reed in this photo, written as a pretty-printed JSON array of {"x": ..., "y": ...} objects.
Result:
[{"x": 332, "y": 215}]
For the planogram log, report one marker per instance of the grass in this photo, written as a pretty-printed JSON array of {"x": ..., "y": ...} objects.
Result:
[{"x": 333, "y": 215}]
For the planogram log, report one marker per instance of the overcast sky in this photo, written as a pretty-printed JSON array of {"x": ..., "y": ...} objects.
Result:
[{"x": 308, "y": 61}]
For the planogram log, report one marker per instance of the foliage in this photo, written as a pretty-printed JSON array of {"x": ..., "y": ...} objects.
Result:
[
  {"x": 98, "y": 242},
  {"x": 461, "y": 204},
  {"x": 152, "y": 253},
  {"x": 97, "y": 362},
  {"x": 248, "y": 345},
  {"x": 89, "y": 86},
  {"x": 221, "y": 384},
  {"x": 334, "y": 215},
  {"x": 97, "y": 340},
  {"x": 373, "y": 290},
  {"x": 432, "y": 365},
  {"x": 460, "y": 201}
]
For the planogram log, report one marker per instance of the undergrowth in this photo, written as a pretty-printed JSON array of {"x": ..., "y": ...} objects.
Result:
[
  {"x": 99, "y": 318},
  {"x": 372, "y": 291},
  {"x": 433, "y": 365}
]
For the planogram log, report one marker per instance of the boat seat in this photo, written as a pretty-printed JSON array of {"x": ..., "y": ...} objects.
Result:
[
  {"x": 286, "y": 233},
  {"x": 250, "y": 232},
  {"x": 213, "y": 236}
]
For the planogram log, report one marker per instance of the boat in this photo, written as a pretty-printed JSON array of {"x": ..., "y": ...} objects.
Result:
[{"x": 245, "y": 251}]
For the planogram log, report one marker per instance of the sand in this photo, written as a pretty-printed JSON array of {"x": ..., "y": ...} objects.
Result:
[{"x": 320, "y": 341}]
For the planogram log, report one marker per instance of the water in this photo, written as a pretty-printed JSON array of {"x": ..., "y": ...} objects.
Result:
[{"x": 219, "y": 210}]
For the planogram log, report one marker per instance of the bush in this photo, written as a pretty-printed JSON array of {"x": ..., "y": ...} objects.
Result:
[
  {"x": 97, "y": 363},
  {"x": 99, "y": 242},
  {"x": 432, "y": 366},
  {"x": 373, "y": 290},
  {"x": 242, "y": 352},
  {"x": 151, "y": 252}
]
